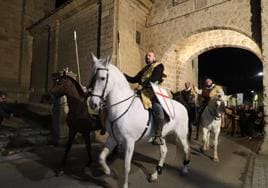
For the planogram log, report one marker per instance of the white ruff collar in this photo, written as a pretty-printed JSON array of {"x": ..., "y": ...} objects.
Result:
[{"x": 211, "y": 86}]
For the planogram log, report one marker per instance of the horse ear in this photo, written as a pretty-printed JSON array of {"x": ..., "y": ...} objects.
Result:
[
  {"x": 95, "y": 59},
  {"x": 108, "y": 60}
]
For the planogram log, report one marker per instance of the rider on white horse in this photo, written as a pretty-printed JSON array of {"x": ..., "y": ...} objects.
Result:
[
  {"x": 152, "y": 72},
  {"x": 209, "y": 90}
]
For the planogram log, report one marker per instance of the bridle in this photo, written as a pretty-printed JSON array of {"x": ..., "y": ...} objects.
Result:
[
  {"x": 214, "y": 112},
  {"x": 110, "y": 106},
  {"x": 93, "y": 83},
  {"x": 104, "y": 89}
]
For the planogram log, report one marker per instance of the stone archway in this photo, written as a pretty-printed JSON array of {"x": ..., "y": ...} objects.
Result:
[{"x": 177, "y": 59}]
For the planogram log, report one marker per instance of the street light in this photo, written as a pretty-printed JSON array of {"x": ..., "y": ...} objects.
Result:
[{"x": 260, "y": 74}]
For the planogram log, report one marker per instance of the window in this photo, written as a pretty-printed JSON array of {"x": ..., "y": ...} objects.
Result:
[{"x": 138, "y": 37}]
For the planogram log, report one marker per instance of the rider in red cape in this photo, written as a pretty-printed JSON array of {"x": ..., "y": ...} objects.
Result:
[
  {"x": 152, "y": 72},
  {"x": 208, "y": 90}
]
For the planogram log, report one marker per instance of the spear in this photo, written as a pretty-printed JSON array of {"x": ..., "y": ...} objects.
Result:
[{"x": 77, "y": 58}]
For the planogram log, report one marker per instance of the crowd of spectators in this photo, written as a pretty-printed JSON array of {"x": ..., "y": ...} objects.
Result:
[{"x": 244, "y": 120}]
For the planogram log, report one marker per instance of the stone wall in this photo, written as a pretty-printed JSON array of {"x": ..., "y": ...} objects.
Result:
[
  {"x": 264, "y": 148},
  {"x": 15, "y": 17},
  {"x": 58, "y": 32},
  {"x": 131, "y": 20},
  {"x": 167, "y": 26}
]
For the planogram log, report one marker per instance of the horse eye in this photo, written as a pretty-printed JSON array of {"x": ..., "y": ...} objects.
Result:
[{"x": 102, "y": 78}]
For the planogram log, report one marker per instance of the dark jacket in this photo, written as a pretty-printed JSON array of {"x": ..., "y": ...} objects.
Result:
[{"x": 156, "y": 76}]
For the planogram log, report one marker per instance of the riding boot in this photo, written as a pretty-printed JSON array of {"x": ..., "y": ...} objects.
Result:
[{"x": 158, "y": 124}]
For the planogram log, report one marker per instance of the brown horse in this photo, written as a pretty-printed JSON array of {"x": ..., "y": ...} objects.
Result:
[
  {"x": 191, "y": 110},
  {"x": 78, "y": 118}
]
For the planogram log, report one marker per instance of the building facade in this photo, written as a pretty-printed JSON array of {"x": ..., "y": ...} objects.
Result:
[{"x": 40, "y": 39}]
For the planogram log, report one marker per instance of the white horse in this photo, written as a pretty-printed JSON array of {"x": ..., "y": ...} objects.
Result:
[
  {"x": 128, "y": 121},
  {"x": 211, "y": 119}
]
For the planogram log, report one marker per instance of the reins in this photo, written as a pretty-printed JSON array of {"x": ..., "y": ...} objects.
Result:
[
  {"x": 113, "y": 121},
  {"x": 110, "y": 106}
]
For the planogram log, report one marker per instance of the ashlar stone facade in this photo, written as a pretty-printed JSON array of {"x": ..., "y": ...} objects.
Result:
[{"x": 176, "y": 30}]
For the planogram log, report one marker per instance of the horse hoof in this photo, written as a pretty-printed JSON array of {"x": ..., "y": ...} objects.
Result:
[
  {"x": 216, "y": 159},
  {"x": 87, "y": 170},
  {"x": 184, "y": 171},
  {"x": 152, "y": 178}
]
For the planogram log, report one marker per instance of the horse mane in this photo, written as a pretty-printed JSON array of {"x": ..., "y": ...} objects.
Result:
[
  {"x": 120, "y": 74},
  {"x": 77, "y": 86}
]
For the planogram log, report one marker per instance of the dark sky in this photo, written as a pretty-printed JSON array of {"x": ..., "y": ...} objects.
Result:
[{"x": 232, "y": 67}]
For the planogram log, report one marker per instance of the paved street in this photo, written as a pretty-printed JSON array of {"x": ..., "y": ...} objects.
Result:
[{"x": 34, "y": 167}]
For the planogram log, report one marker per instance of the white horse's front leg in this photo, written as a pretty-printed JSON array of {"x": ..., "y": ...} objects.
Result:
[
  {"x": 205, "y": 134},
  {"x": 110, "y": 145},
  {"x": 215, "y": 156},
  {"x": 129, "y": 149},
  {"x": 208, "y": 140},
  {"x": 163, "y": 154}
]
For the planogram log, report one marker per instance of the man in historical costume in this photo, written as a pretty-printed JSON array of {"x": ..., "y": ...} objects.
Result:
[
  {"x": 188, "y": 95},
  {"x": 208, "y": 90},
  {"x": 152, "y": 72}
]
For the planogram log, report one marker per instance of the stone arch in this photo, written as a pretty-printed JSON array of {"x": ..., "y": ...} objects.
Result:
[{"x": 177, "y": 59}]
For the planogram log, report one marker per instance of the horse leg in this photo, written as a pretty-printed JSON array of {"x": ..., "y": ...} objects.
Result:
[
  {"x": 86, "y": 137},
  {"x": 109, "y": 146},
  {"x": 208, "y": 140},
  {"x": 197, "y": 131},
  {"x": 205, "y": 133},
  {"x": 71, "y": 137},
  {"x": 186, "y": 158},
  {"x": 190, "y": 131},
  {"x": 215, "y": 155},
  {"x": 129, "y": 150},
  {"x": 158, "y": 171}
]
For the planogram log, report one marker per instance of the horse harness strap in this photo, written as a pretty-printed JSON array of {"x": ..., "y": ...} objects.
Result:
[
  {"x": 94, "y": 79},
  {"x": 147, "y": 125},
  {"x": 120, "y": 101},
  {"x": 113, "y": 121}
]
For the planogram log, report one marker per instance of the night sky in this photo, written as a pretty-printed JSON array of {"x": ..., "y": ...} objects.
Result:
[{"x": 232, "y": 67}]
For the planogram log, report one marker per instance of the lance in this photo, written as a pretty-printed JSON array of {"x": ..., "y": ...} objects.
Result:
[{"x": 77, "y": 58}]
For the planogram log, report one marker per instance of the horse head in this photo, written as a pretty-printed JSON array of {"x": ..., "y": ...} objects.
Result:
[
  {"x": 63, "y": 85},
  {"x": 100, "y": 80},
  {"x": 59, "y": 81},
  {"x": 217, "y": 105}
]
